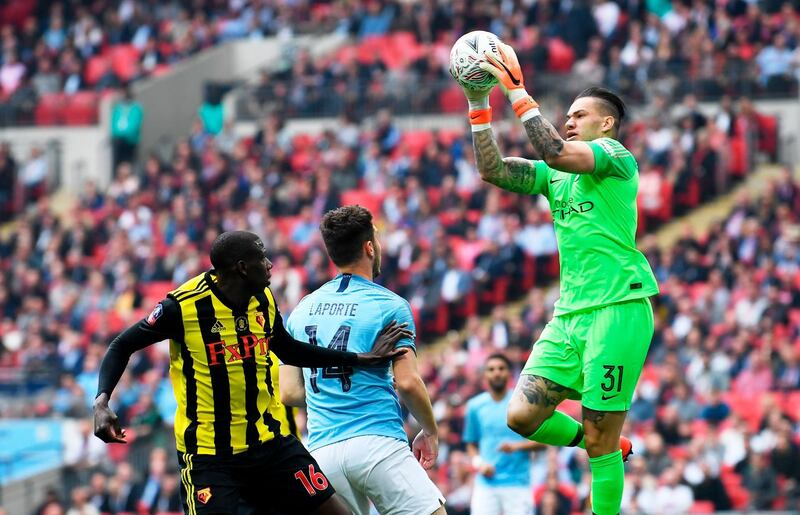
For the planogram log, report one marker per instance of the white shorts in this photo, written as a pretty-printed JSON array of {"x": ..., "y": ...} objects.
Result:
[
  {"x": 382, "y": 470},
  {"x": 501, "y": 500}
]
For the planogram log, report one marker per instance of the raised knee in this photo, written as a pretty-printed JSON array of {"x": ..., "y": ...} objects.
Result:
[
  {"x": 600, "y": 443},
  {"x": 522, "y": 422}
]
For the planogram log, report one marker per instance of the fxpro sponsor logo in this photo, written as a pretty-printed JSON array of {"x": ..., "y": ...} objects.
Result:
[
  {"x": 565, "y": 209},
  {"x": 220, "y": 353}
]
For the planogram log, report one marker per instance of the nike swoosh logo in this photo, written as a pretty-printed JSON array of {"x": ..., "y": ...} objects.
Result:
[
  {"x": 473, "y": 116},
  {"x": 608, "y": 398},
  {"x": 513, "y": 79},
  {"x": 553, "y": 181}
]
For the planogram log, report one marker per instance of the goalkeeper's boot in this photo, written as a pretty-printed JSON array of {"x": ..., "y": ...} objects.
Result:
[{"x": 626, "y": 447}]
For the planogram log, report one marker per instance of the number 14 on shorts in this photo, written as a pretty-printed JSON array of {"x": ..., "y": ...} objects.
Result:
[
  {"x": 613, "y": 381},
  {"x": 313, "y": 481}
]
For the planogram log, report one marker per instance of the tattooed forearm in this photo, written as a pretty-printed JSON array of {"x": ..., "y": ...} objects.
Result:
[
  {"x": 539, "y": 391},
  {"x": 487, "y": 155},
  {"x": 512, "y": 173},
  {"x": 544, "y": 137}
]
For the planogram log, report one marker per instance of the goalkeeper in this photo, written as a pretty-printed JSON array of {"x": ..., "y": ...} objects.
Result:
[{"x": 595, "y": 346}]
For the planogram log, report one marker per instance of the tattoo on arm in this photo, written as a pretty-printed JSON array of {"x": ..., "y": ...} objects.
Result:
[
  {"x": 540, "y": 391},
  {"x": 544, "y": 137},
  {"x": 512, "y": 173}
]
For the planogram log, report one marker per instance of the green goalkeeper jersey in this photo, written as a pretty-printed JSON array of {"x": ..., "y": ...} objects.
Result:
[{"x": 595, "y": 221}]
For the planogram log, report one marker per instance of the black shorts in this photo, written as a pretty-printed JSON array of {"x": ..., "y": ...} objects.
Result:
[{"x": 277, "y": 476}]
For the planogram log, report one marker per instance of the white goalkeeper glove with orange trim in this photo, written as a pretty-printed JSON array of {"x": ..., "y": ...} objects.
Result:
[{"x": 509, "y": 73}]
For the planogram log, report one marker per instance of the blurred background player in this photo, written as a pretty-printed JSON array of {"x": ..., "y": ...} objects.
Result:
[
  {"x": 595, "y": 346},
  {"x": 500, "y": 457},
  {"x": 355, "y": 428},
  {"x": 221, "y": 326}
]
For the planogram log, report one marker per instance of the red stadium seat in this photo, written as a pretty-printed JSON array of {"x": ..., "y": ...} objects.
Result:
[
  {"x": 370, "y": 48},
  {"x": 50, "y": 110},
  {"x": 124, "y": 61},
  {"x": 414, "y": 142},
  {"x": 452, "y": 100},
  {"x": 96, "y": 67},
  {"x": 434, "y": 196},
  {"x": 286, "y": 224},
  {"x": 561, "y": 56},
  {"x": 156, "y": 290},
  {"x": 702, "y": 507},
  {"x": 81, "y": 108},
  {"x": 16, "y": 12},
  {"x": 448, "y": 136},
  {"x": 740, "y": 497},
  {"x": 364, "y": 198}
]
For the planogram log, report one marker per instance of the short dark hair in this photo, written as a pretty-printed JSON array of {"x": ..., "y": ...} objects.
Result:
[
  {"x": 612, "y": 104},
  {"x": 344, "y": 231},
  {"x": 502, "y": 357},
  {"x": 231, "y": 247}
]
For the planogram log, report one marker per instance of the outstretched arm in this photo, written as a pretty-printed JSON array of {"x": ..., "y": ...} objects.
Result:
[{"x": 163, "y": 323}]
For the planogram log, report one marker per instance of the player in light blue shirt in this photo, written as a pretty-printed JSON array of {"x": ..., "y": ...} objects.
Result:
[
  {"x": 500, "y": 456},
  {"x": 355, "y": 426}
]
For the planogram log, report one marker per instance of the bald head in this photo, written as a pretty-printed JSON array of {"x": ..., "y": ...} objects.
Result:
[{"x": 233, "y": 246}]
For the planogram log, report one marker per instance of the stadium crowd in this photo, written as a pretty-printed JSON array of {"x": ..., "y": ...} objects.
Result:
[
  {"x": 453, "y": 247},
  {"x": 53, "y": 50},
  {"x": 641, "y": 49},
  {"x": 718, "y": 400}
]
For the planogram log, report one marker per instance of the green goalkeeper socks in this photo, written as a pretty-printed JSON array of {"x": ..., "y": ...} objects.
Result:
[
  {"x": 608, "y": 479},
  {"x": 559, "y": 429}
]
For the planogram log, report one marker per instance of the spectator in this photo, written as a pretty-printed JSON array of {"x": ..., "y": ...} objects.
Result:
[
  {"x": 671, "y": 496},
  {"x": 126, "y": 124},
  {"x": 775, "y": 61},
  {"x": 46, "y": 80},
  {"x": 716, "y": 410},
  {"x": 759, "y": 478},
  {"x": 34, "y": 175},
  {"x": 11, "y": 73},
  {"x": 81, "y": 504}
]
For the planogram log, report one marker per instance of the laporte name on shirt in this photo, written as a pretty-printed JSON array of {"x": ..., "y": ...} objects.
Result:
[{"x": 334, "y": 309}]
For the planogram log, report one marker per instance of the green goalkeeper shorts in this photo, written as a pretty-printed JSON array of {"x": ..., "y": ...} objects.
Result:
[{"x": 599, "y": 354}]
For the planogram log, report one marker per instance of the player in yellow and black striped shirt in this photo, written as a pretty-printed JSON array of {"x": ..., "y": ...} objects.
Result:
[{"x": 223, "y": 328}]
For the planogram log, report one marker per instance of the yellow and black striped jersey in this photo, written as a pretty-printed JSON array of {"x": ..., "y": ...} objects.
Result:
[
  {"x": 223, "y": 365},
  {"x": 221, "y": 370}
]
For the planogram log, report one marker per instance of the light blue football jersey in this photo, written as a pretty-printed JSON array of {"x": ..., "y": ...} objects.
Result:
[
  {"x": 347, "y": 313},
  {"x": 485, "y": 426}
]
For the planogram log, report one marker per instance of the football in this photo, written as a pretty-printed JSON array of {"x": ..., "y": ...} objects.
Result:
[{"x": 465, "y": 56}]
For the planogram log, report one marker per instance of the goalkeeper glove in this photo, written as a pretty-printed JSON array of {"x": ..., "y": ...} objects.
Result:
[{"x": 508, "y": 72}]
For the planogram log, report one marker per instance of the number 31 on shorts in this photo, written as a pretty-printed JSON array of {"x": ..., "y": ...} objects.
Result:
[{"x": 613, "y": 380}]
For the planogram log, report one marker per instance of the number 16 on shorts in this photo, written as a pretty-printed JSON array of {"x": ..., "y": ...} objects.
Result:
[{"x": 313, "y": 481}]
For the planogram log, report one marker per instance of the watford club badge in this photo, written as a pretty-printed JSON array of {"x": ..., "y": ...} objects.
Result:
[
  {"x": 204, "y": 495},
  {"x": 260, "y": 320}
]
